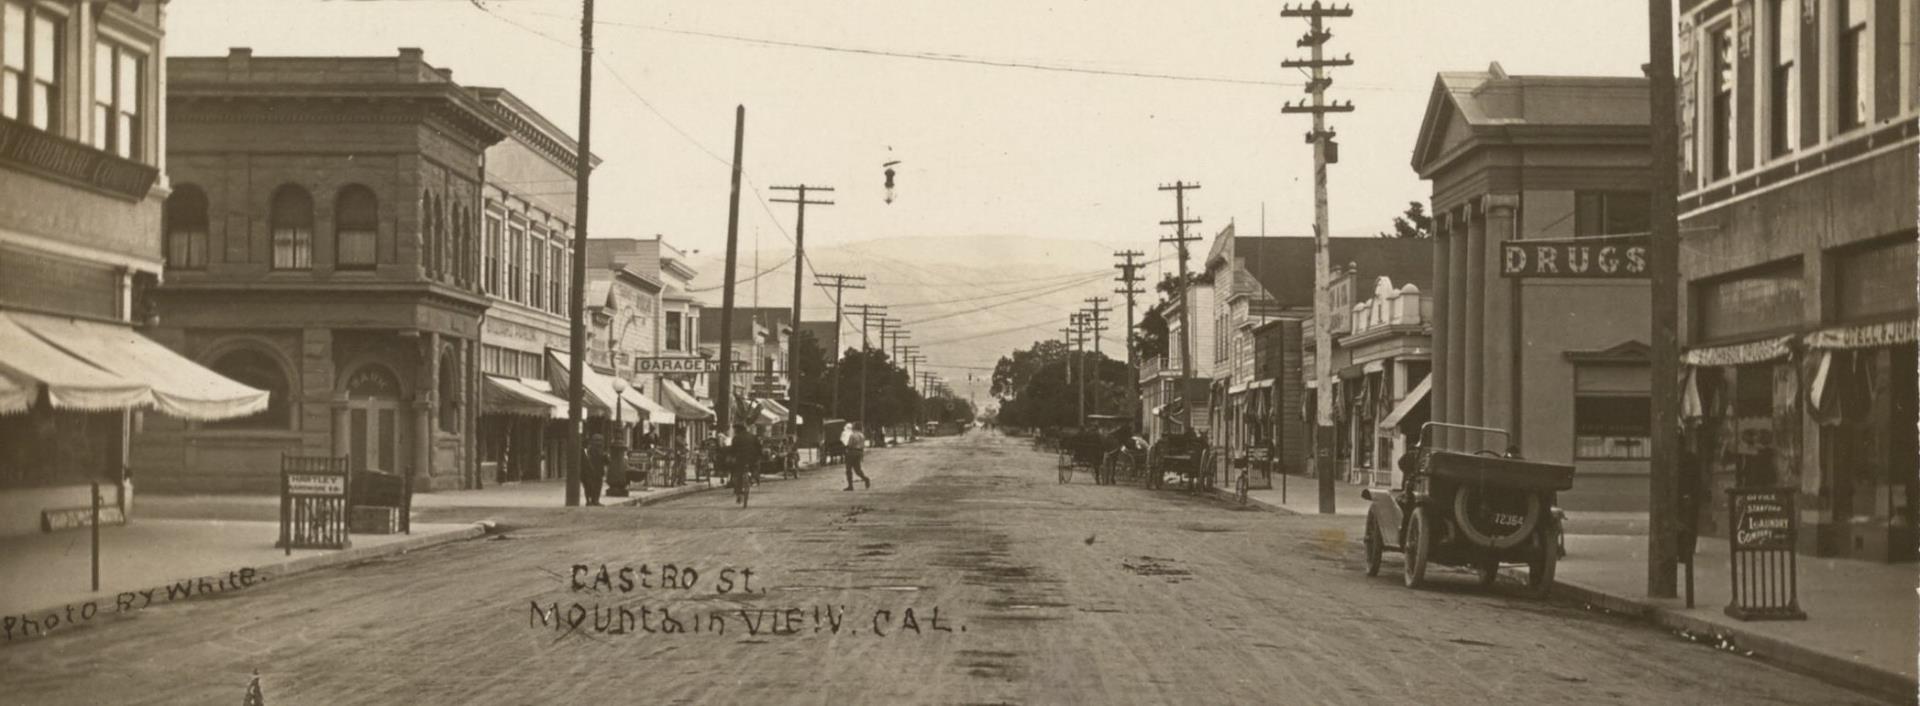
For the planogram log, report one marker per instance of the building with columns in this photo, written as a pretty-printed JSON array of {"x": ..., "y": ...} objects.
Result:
[
  {"x": 331, "y": 210},
  {"x": 1561, "y": 363}
]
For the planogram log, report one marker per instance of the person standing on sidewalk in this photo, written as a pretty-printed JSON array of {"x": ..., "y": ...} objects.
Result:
[
  {"x": 595, "y": 469},
  {"x": 856, "y": 444}
]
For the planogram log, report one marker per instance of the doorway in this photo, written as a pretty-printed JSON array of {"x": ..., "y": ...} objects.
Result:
[{"x": 373, "y": 420}]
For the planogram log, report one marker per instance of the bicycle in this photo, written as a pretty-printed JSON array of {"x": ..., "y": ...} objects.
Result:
[{"x": 742, "y": 486}]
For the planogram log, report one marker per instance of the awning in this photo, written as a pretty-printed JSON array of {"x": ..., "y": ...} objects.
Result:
[
  {"x": 656, "y": 412},
  {"x": 778, "y": 409},
  {"x": 766, "y": 416},
  {"x": 1406, "y": 405},
  {"x": 597, "y": 388},
  {"x": 98, "y": 366},
  {"x": 1257, "y": 384},
  {"x": 1887, "y": 333},
  {"x": 1738, "y": 353},
  {"x": 528, "y": 398},
  {"x": 14, "y": 397},
  {"x": 683, "y": 403}
]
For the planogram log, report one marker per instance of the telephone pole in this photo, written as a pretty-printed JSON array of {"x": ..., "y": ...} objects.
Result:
[
  {"x": 1097, "y": 324},
  {"x": 1129, "y": 281},
  {"x": 577, "y": 334},
  {"x": 799, "y": 271},
  {"x": 1324, "y": 152},
  {"x": 840, "y": 284},
  {"x": 723, "y": 380},
  {"x": 1080, "y": 362},
  {"x": 1663, "y": 259},
  {"x": 1180, "y": 238}
]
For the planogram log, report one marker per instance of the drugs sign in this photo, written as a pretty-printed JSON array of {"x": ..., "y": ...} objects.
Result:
[{"x": 1607, "y": 257}]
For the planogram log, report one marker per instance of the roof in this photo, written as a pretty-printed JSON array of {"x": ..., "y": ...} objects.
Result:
[
  {"x": 1284, "y": 264},
  {"x": 1467, "y": 107}
]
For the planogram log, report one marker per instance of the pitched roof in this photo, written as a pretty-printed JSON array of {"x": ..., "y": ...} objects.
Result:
[
  {"x": 1472, "y": 106},
  {"x": 1284, "y": 264}
]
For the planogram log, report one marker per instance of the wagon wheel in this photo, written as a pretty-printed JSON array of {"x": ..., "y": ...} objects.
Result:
[
  {"x": 1375, "y": 546},
  {"x": 1546, "y": 553},
  {"x": 1417, "y": 548}
]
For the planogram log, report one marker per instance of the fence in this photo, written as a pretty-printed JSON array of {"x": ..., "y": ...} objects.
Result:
[{"x": 313, "y": 502}]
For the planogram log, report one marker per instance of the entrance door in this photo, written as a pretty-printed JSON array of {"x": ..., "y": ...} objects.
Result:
[{"x": 373, "y": 419}]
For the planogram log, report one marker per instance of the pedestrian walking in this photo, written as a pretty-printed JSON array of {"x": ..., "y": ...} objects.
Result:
[
  {"x": 856, "y": 444},
  {"x": 595, "y": 469}
]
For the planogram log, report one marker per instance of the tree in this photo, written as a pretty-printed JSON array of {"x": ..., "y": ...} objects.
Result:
[
  {"x": 1150, "y": 335},
  {"x": 1415, "y": 223},
  {"x": 810, "y": 381},
  {"x": 1012, "y": 372},
  {"x": 890, "y": 397}
]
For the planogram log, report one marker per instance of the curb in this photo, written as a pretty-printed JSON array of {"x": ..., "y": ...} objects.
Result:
[
  {"x": 1837, "y": 669},
  {"x": 265, "y": 573},
  {"x": 689, "y": 489},
  {"x": 1229, "y": 496}
]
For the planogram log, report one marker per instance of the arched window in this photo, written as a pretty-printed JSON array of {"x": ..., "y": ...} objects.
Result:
[
  {"x": 449, "y": 392},
  {"x": 292, "y": 222},
  {"x": 257, "y": 370},
  {"x": 185, "y": 227},
  {"x": 356, "y": 227}
]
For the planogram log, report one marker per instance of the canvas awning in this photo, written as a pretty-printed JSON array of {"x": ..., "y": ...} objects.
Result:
[
  {"x": 778, "y": 409},
  {"x": 527, "y": 398},
  {"x": 656, "y": 412},
  {"x": 1406, "y": 405},
  {"x": 99, "y": 366},
  {"x": 683, "y": 403},
  {"x": 764, "y": 413},
  {"x": 1739, "y": 353},
  {"x": 1887, "y": 333},
  {"x": 597, "y": 389}
]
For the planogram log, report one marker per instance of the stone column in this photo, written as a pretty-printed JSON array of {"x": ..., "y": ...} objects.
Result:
[
  {"x": 342, "y": 432},
  {"x": 423, "y": 441},
  {"x": 1475, "y": 346},
  {"x": 1456, "y": 285},
  {"x": 1497, "y": 326},
  {"x": 1439, "y": 395}
]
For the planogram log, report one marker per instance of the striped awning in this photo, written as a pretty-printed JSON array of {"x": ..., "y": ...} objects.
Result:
[{"x": 99, "y": 366}]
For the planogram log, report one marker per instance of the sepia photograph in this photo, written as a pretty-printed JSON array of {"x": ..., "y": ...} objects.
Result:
[{"x": 1000, "y": 352}]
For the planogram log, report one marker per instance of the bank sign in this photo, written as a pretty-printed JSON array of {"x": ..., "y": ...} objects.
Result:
[
  {"x": 682, "y": 365},
  {"x": 1607, "y": 257}
]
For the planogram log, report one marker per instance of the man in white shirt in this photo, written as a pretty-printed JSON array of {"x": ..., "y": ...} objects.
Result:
[{"x": 856, "y": 444}]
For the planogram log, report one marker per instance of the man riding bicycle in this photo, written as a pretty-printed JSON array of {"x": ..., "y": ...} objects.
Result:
[{"x": 743, "y": 451}]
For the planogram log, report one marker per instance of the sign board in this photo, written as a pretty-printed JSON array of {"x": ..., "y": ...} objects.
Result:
[
  {"x": 682, "y": 364},
  {"x": 316, "y": 484},
  {"x": 1257, "y": 453},
  {"x": 1600, "y": 257},
  {"x": 1761, "y": 521},
  {"x": 77, "y": 517},
  {"x": 1763, "y": 567}
]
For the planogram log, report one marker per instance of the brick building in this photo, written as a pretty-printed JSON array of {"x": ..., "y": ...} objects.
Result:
[
  {"x": 1800, "y": 122},
  {"x": 331, "y": 211},
  {"x": 81, "y": 193}
]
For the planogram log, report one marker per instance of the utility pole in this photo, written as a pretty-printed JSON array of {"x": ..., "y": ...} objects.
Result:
[
  {"x": 840, "y": 284},
  {"x": 723, "y": 395},
  {"x": 1180, "y": 238},
  {"x": 1324, "y": 152},
  {"x": 577, "y": 335},
  {"x": 1097, "y": 324},
  {"x": 868, "y": 313},
  {"x": 1129, "y": 287},
  {"x": 1080, "y": 362},
  {"x": 1663, "y": 256},
  {"x": 799, "y": 270}
]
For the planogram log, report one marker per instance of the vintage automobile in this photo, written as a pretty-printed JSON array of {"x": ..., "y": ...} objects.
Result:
[{"x": 1473, "y": 509}]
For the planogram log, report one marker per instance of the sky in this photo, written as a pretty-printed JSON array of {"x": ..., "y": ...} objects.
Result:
[{"x": 983, "y": 150}]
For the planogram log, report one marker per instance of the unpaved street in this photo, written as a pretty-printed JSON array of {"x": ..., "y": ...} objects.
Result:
[{"x": 1046, "y": 594}]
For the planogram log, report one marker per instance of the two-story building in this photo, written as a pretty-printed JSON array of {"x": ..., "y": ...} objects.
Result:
[
  {"x": 1558, "y": 360},
  {"x": 324, "y": 243},
  {"x": 1382, "y": 356},
  {"x": 1799, "y": 125},
  {"x": 1169, "y": 400},
  {"x": 675, "y": 329},
  {"x": 81, "y": 211}
]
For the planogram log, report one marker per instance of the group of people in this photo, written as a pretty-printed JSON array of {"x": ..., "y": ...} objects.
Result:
[{"x": 743, "y": 449}]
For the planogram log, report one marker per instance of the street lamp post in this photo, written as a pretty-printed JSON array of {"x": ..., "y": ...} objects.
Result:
[{"x": 617, "y": 446}]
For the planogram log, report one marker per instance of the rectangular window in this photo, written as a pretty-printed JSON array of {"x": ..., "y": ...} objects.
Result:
[
  {"x": 1874, "y": 280},
  {"x": 555, "y": 298},
  {"x": 1757, "y": 301},
  {"x": 537, "y": 270},
  {"x": 1610, "y": 213},
  {"x": 116, "y": 99},
  {"x": 673, "y": 330},
  {"x": 187, "y": 248},
  {"x": 30, "y": 43},
  {"x": 493, "y": 255},
  {"x": 1612, "y": 427},
  {"x": 516, "y": 261},
  {"x": 1853, "y": 81},
  {"x": 1783, "y": 83},
  {"x": 1721, "y": 159},
  {"x": 292, "y": 247}
]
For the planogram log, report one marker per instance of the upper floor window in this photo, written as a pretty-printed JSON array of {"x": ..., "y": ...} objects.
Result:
[
  {"x": 492, "y": 275},
  {"x": 356, "y": 225},
  {"x": 30, "y": 66},
  {"x": 1783, "y": 83},
  {"x": 516, "y": 260},
  {"x": 116, "y": 99},
  {"x": 1720, "y": 120},
  {"x": 1610, "y": 213},
  {"x": 291, "y": 219},
  {"x": 537, "y": 270},
  {"x": 1854, "y": 81},
  {"x": 556, "y": 301},
  {"x": 673, "y": 330},
  {"x": 185, "y": 227}
]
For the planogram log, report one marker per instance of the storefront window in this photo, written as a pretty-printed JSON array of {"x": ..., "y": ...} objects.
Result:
[
  {"x": 1875, "y": 280},
  {"x": 1757, "y": 301},
  {"x": 1612, "y": 427},
  {"x": 259, "y": 371}
]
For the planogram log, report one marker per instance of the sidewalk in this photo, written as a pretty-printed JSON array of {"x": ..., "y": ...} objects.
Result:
[
  {"x": 1861, "y": 616},
  {"x": 45, "y": 574},
  {"x": 1299, "y": 495}
]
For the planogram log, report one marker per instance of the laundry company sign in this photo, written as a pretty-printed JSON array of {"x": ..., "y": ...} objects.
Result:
[
  {"x": 682, "y": 365},
  {"x": 1609, "y": 257},
  {"x": 34, "y": 150}
]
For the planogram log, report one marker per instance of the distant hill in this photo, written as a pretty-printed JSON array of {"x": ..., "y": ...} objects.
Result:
[{"x": 965, "y": 301}]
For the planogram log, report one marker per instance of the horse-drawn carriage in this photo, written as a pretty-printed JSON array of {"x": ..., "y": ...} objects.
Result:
[
  {"x": 1476, "y": 510},
  {"x": 1079, "y": 448},
  {"x": 831, "y": 450},
  {"x": 1183, "y": 455}
]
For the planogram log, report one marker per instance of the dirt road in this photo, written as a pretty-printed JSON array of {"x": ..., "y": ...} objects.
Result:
[{"x": 1045, "y": 594}]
